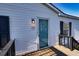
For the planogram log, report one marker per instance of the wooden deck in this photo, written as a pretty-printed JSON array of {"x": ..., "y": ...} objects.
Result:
[
  {"x": 51, "y": 51},
  {"x": 56, "y": 50},
  {"x": 42, "y": 52},
  {"x": 67, "y": 51}
]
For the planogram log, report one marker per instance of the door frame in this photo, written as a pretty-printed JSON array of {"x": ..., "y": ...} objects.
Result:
[
  {"x": 38, "y": 32},
  {"x": 69, "y": 34}
]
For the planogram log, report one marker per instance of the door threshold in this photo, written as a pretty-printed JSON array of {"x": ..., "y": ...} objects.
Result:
[{"x": 43, "y": 48}]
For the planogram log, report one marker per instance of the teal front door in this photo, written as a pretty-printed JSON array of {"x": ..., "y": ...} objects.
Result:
[{"x": 43, "y": 33}]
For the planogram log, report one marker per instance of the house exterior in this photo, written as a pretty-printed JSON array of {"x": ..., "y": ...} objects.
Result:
[{"x": 26, "y": 25}]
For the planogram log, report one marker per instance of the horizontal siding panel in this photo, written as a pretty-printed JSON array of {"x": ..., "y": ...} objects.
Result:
[{"x": 20, "y": 24}]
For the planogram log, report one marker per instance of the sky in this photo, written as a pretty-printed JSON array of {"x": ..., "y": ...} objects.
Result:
[{"x": 69, "y": 8}]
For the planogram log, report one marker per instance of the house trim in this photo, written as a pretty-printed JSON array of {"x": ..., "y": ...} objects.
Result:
[{"x": 59, "y": 12}]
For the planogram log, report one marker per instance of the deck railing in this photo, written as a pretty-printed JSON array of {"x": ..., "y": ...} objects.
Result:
[
  {"x": 69, "y": 42},
  {"x": 75, "y": 44},
  {"x": 66, "y": 41},
  {"x": 8, "y": 49}
]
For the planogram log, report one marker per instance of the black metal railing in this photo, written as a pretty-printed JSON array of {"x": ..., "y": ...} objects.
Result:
[
  {"x": 66, "y": 41},
  {"x": 8, "y": 49},
  {"x": 69, "y": 42},
  {"x": 75, "y": 44}
]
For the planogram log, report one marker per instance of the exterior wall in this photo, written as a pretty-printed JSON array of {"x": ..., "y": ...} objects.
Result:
[
  {"x": 75, "y": 26},
  {"x": 27, "y": 39},
  {"x": 76, "y": 29}
]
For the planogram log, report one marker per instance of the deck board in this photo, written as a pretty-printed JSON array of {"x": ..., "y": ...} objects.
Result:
[
  {"x": 67, "y": 51},
  {"x": 42, "y": 52},
  {"x": 50, "y": 51}
]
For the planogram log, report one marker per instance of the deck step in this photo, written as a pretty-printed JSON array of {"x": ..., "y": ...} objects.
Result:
[{"x": 67, "y": 51}]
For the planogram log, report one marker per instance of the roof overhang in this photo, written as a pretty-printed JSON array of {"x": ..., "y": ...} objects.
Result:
[
  {"x": 59, "y": 12},
  {"x": 51, "y": 7}
]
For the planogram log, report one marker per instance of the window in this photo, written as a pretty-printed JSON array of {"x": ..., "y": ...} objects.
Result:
[{"x": 66, "y": 28}]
